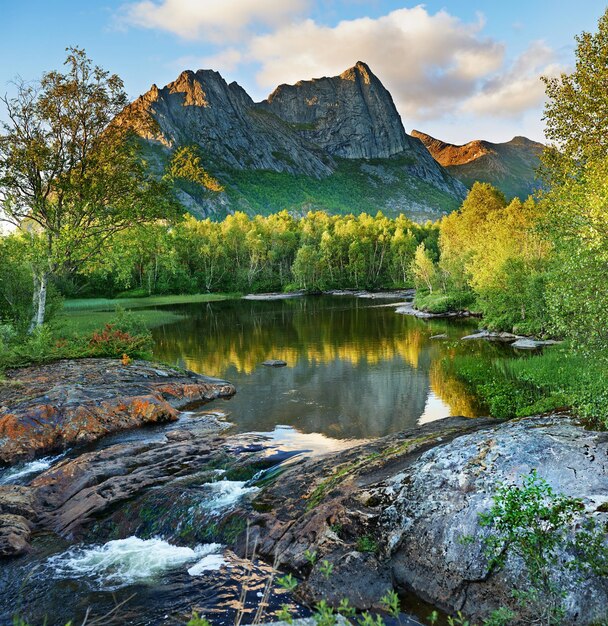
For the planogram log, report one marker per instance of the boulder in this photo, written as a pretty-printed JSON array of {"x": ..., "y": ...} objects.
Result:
[
  {"x": 14, "y": 535},
  {"x": 416, "y": 496},
  {"x": 47, "y": 408}
]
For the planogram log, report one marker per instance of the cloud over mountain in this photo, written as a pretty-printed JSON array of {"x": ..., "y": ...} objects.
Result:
[{"x": 436, "y": 65}]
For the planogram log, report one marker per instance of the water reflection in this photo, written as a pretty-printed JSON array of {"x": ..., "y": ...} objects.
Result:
[{"x": 355, "y": 370}]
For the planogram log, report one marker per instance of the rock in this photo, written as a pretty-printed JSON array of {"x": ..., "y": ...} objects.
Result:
[
  {"x": 299, "y": 129},
  {"x": 14, "y": 535},
  {"x": 17, "y": 500},
  {"x": 73, "y": 494},
  {"x": 418, "y": 494},
  {"x": 532, "y": 344},
  {"x": 79, "y": 401},
  {"x": 492, "y": 336},
  {"x": 274, "y": 296},
  {"x": 438, "y": 500},
  {"x": 440, "y": 336},
  {"x": 274, "y": 363},
  {"x": 409, "y": 309}
]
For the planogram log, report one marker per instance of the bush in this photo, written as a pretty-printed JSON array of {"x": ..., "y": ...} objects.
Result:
[{"x": 440, "y": 302}]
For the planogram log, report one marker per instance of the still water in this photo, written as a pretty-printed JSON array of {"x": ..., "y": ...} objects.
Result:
[{"x": 355, "y": 370}]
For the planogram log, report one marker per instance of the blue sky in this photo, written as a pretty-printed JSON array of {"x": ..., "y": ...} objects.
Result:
[{"x": 457, "y": 69}]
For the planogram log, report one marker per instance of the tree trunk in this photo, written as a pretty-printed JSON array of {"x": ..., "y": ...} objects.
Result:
[{"x": 39, "y": 300}]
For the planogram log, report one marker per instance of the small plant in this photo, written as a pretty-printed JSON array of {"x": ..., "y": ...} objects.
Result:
[
  {"x": 391, "y": 603},
  {"x": 310, "y": 556},
  {"x": 326, "y": 568},
  {"x": 367, "y": 619},
  {"x": 367, "y": 544},
  {"x": 533, "y": 522},
  {"x": 195, "y": 620},
  {"x": 284, "y": 614},
  {"x": 324, "y": 614},
  {"x": 346, "y": 609},
  {"x": 287, "y": 582}
]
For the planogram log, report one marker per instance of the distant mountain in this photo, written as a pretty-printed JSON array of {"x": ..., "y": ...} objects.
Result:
[
  {"x": 510, "y": 166},
  {"x": 330, "y": 143}
]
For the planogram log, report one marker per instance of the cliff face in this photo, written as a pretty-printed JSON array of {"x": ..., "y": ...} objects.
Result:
[
  {"x": 306, "y": 146},
  {"x": 509, "y": 166},
  {"x": 351, "y": 116}
]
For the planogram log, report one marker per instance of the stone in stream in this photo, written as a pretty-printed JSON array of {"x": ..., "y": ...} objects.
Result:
[
  {"x": 403, "y": 504},
  {"x": 274, "y": 363},
  {"x": 47, "y": 408}
]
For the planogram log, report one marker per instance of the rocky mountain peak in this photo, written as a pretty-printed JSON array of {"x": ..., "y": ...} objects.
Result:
[
  {"x": 359, "y": 71},
  {"x": 305, "y": 130},
  {"x": 350, "y": 116}
]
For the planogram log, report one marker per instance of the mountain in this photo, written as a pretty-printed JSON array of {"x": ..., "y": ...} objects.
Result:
[
  {"x": 329, "y": 143},
  {"x": 510, "y": 166}
]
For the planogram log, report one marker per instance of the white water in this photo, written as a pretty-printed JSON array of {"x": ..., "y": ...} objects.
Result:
[
  {"x": 133, "y": 560},
  {"x": 14, "y": 474},
  {"x": 224, "y": 494}
]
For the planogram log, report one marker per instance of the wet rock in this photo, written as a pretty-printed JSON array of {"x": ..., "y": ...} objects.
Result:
[
  {"x": 50, "y": 407},
  {"x": 17, "y": 500},
  {"x": 492, "y": 336},
  {"x": 274, "y": 363},
  {"x": 409, "y": 309},
  {"x": 532, "y": 344},
  {"x": 416, "y": 495},
  {"x": 14, "y": 535},
  {"x": 74, "y": 492}
]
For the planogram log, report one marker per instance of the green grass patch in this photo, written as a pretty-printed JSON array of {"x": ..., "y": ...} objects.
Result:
[
  {"x": 110, "y": 304},
  {"x": 83, "y": 322},
  {"x": 440, "y": 302},
  {"x": 357, "y": 186},
  {"x": 557, "y": 378}
]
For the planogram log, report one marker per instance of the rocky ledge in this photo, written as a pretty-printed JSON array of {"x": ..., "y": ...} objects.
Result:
[
  {"x": 395, "y": 513},
  {"x": 409, "y": 309},
  {"x": 50, "y": 407}
]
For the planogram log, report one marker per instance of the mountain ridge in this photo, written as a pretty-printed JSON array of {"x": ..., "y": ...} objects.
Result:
[
  {"x": 510, "y": 166},
  {"x": 334, "y": 143}
]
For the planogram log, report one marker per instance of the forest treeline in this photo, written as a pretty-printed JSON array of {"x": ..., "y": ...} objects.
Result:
[{"x": 239, "y": 254}]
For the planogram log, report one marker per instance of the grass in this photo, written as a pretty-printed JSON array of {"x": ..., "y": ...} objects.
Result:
[
  {"x": 110, "y": 304},
  {"x": 440, "y": 302},
  {"x": 85, "y": 315},
  {"x": 557, "y": 378},
  {"x": 356, "y": 186}
]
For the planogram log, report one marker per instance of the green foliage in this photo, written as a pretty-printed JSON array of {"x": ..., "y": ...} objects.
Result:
[
  {"x": 357, "y": 186},
  {"x": 367, "y": 544},
  {"x": 125, "y": 333},
  {"x": 444, "y": 302},
  {"x": 557, "y": 378},
  {"x": 326, "y": 568},
  {"x": 70, "y": 176},
  {"x": 195, "y": 620},
  {"x": 534, "y": 523}
]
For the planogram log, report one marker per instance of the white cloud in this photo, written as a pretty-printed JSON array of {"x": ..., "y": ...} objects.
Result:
[
  {"x": 519, "y": 88},
  {"x": 428, "y": 62},
  {"x": 439, "y": 69},
  {"x": 216, "y": 20}
]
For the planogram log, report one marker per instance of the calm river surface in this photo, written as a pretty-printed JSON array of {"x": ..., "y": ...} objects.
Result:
[{"x": 356, "y": 370}]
